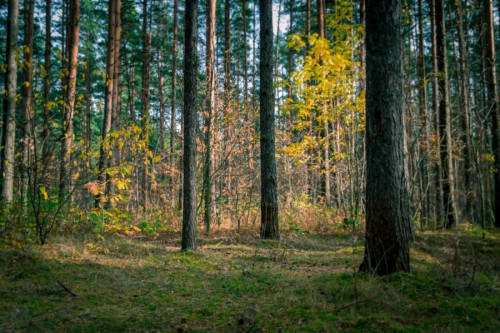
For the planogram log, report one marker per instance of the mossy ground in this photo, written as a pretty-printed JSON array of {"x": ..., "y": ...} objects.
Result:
[{"x": 237, "y": 283}]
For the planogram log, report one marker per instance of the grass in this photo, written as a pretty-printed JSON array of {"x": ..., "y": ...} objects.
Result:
[{"x": 237, "y": 283}]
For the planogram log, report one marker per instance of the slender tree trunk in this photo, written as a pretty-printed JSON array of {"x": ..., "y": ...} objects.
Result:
[
  {"x": 269, "y": 197},
  {"x": 444, "y": 120},
  {"x": 88, "y": 93},
  {"x": 146, "y": 59},
  {"x": 387, "y": 208},
  {"x": 188, "y": 241},
  {"x": 174, "y": 101},
  {"x": 245, "y": 56},
  {"x": 46, "y": 79},
  {"x": 435, "y": 107},
  {"x": 424, "y": 118},
  {"x": 27, "y": 134},
  {"x": 493, "y": 104},
  {"x": 465, "y": 116},
  {"x": 161, "y": 98},
  {"x": 210, "y": 107},
  {"x": 9, "y": 106},
  {"x": 69, "y": 98},
  {"x": 108, "y": 103}
]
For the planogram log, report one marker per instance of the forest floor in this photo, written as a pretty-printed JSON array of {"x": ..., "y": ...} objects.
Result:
[{"x": 237, "y": 283}]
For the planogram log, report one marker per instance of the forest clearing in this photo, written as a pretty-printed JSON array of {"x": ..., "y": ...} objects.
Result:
[
  {"x": 249, "y": 165},
  {"x": 306, "y": 282}
]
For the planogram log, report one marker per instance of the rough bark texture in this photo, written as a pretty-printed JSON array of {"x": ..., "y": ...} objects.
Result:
[
  {"x": 9, "y": 106},
  {"x": 190, "y": 125},
  {"x": 269, "y": 202},
  {"x": 444, "y": 119},
  {"x": 209, "y": 213},
  {"x": 387, "y": 207},
  {"x": 492, "y": 97},
  {"x": 69, "y": 97}
]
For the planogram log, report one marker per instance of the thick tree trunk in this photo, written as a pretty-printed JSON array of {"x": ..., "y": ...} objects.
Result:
[
  {"x": 387, "y": 208},
  {"x": 493, "y": 104},
  {"x": 69, "y": 98},
  {"x": 209, "y": 213},
  {"x": 188, "y": 241},
  {"x": 269, "y": 198},
  {"x": 9, "y": 106},
  {"x": 444, "y": 119}
]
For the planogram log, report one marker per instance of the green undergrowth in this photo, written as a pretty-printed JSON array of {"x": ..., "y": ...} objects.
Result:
[{"x": 237, "y": 283}]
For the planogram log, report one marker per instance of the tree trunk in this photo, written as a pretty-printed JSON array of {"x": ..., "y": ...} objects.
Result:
[
  {"x": 387, "y": 208},
  {"x": 435, "y": 106},
  {"x": 27, "y": 134},
  {"x": 245, "y": 57},
  {"x": 444, "y": 119},
  {"x": 174, "y": 96},
  {"x": 269, "y": 200},
  {"x": 9, "y": 106},
  {"x": 210, "y": 107},
  {"x": 69, "y": 98},
  {"x": 146, "y": 59},
  {"x": 190, "y": 126},
  {"x": 108, "y": 103},
  {"x": 493, "y": 104},
  {"x": 46, "y": 79}
]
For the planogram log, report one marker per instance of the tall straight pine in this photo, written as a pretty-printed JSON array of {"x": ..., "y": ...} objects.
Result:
[
  {"x": 269, "y": 201},
  {"x": 387, "y": 207},
  {"x": 188, "y": 241}
]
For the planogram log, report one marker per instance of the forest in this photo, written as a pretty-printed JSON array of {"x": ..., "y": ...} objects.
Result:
[{"x": 249, "y": 165}]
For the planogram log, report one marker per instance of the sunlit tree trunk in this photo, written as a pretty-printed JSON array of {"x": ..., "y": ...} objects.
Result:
[
  {"x": 108, "y": 102},
  {"x": 9, "y": 106},
  {"x": 69, "y": 97},
  {"x": 209, "y": 190},
  {"x": 387, "y": 207},
  {"x": 269, "y": 200}
]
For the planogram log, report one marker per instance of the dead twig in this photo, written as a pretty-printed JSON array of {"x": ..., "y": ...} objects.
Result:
[{"x": 66, "y": 289}]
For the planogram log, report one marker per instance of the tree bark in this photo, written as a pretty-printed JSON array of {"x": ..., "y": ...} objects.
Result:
[
  {"x": 69, "y": 97},
  {"x": 269, "y": 201},
  {"x": 444, "y": 119},
  {"x": 209, "y": 107},
  {"x": 492, "y": 100},
  {"x": 27, "y": 134},
  {"x": 188, "y": 241},
  {"x": 9, "y": 106},
  {"x": 387, "y": 207}
]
